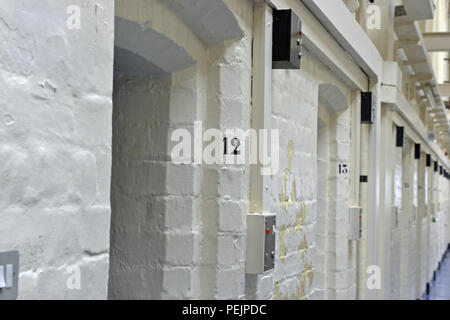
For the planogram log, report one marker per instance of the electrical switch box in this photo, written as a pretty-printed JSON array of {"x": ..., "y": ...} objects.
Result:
[
  {"x": 286, "y": 40},
  {"x": 261, "y": 235},
  {"x": 9, "y": 275},
  {"x": 368, "y": 107},
  {"x": 355, "y": 223}
]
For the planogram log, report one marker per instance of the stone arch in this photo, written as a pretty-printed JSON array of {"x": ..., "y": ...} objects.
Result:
[
  {"x": 211, "y": 20},
  {"x": 332, "y": 98},
  {"x": 161, "y": 84},
  {"x": 146, "y": 52},
  {"x": 147, "y": 34}
]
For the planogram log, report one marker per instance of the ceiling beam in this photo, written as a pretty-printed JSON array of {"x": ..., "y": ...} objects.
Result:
[
  {"x": 437, "y": 41},
  {"x": 444, "y": 89}
]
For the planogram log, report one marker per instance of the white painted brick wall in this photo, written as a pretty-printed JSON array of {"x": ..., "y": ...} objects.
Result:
[
  {"x": 300, "y": 269},
  {"x": 395, "y": 240},
  {"x": 55, "y": 144},
  {"x": 178, "y": 231},
  {"x": 223, "y": 205},
  {"x": 198, "y": 221},
  {"x": 228, "y": 107},
  {"x": 160, "y": 237}
]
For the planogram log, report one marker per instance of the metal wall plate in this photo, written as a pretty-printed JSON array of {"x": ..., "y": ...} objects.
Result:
[
  {"x": 261, "y": 235},
  {"x": 355, "y": 223},
  {"x": 269, "y": 243},
  {"x": 10, "y": 258}
]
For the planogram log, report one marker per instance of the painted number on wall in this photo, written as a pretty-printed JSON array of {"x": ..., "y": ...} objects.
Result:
[
  {"x": 342, "y": 169},
  {"x": 235, "y": 144}
]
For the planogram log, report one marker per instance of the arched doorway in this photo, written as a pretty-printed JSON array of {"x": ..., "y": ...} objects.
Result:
[
  {"x": 332, "y": 180},
  {"x": 163, "y": 81}
]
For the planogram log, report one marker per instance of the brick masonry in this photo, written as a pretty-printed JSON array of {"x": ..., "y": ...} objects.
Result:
[
  {"x": 87, "y": 180},
  {"x": 55, "y": 145}
]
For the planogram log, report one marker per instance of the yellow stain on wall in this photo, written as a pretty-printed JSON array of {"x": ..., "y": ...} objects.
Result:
[
  {"x": 301, "y": 289},
  {"x": 301, "y": 217},
  {"x": 277, "y": 294},
  {"x": 290, "y": 154},
  {"x": 303, "y": 248},
  {"x": 301, "y": 295},
  {"x": 298, "y": 295},
  {"x": 283, "y": 195},
  {"x": 288, "y": 199},
  {"x": 308, "y": 273},
  {"x": 294, "y": 191}
]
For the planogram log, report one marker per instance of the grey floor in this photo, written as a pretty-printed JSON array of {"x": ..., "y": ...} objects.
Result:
[{"x": 440, "y": 289}]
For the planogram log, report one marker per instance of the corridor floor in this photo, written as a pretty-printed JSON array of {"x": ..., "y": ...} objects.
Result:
[{"x": 440, "y": 289}]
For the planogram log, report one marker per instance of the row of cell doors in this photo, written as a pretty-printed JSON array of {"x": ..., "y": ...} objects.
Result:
[{"x": 412, "y": 237}]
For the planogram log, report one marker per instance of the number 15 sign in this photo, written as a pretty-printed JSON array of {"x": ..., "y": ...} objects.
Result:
[{"x": 342, "y": 169}]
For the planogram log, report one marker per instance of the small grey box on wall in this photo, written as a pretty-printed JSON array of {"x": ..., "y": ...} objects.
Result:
[
  {"x": 9, "y": 275},
  {"x": 355, "y": 223},
  {"x": 261, "y": 233},
  {"x": 286, "y": 40}
]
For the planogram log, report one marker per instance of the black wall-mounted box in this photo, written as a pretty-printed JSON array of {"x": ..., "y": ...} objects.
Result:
[
  {"x": 417, "y": 151},
  {"x": 435, "y": 166},
  {"x": 287, "y": 40},
  {"x": 441, "y": 170},
  {"x": 428, "y": 160},
  {"x": 368, "y": 105},
  {"x": 399, "y": 137}
]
